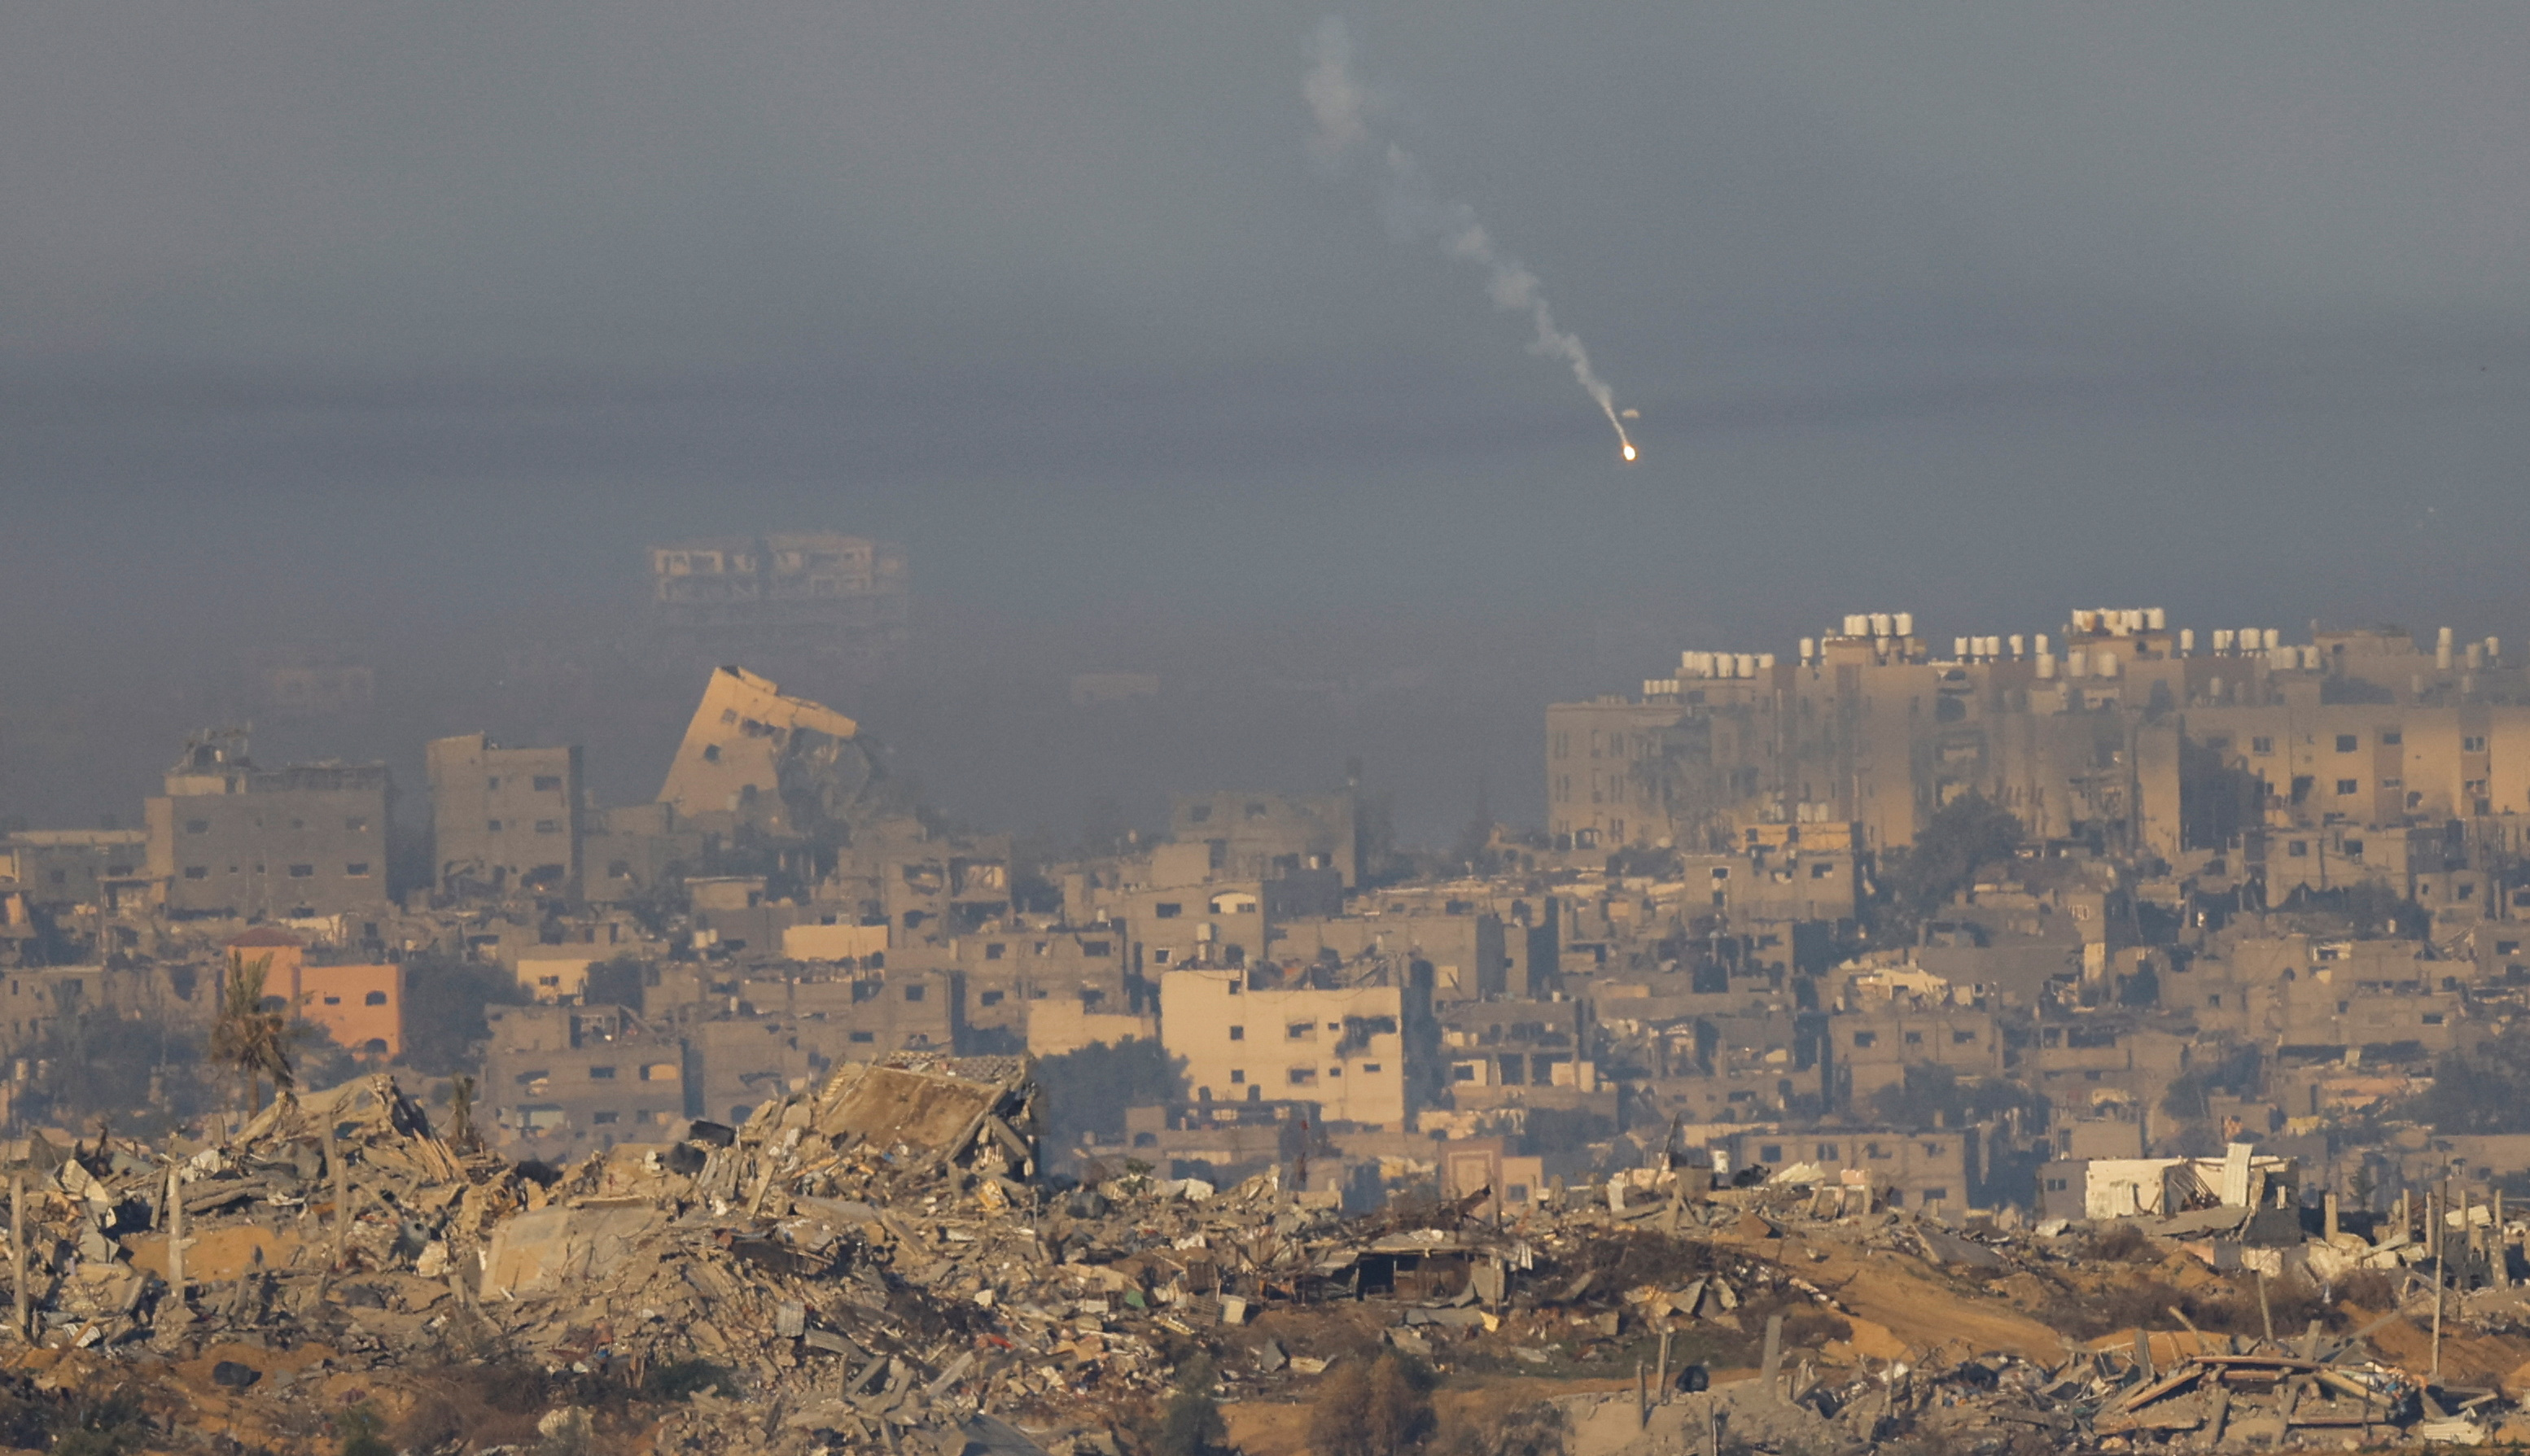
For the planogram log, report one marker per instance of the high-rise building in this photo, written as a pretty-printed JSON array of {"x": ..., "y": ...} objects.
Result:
[
  {"x": 792, "y": 591},
  {"x": 504, "y": 819},
  {"x": 230, "y": 838}
]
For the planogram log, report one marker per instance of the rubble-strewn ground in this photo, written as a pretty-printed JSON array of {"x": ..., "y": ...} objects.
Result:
[{"x": 876, "y": 1262}]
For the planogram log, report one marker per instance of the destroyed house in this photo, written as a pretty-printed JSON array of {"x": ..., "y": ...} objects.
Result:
[
  {"x": 504, "y": 819},
  {"x": 788, "y": 591},
  {"x": 1346, "y": 1048},
  {"x": 231, "y": 839},
  {"x": 755, "y": 758},
  {"x": 1879, "y": 1042},
  {"x": 561, "y": 1081},
  {"x": 1267, "y": 835},
  {"x": 107, "y": 869},
  {"x": 1010, "y": 973},
  {"x": 1512, "y": 1043},
  {"x": 1938, "y": 1168},
  {"x": 923, "y": 884},
  {"x": 1459, "y": 957}
]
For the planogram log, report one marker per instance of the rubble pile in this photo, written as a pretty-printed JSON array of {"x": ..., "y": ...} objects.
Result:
[{"x": 878, "y": 1259}]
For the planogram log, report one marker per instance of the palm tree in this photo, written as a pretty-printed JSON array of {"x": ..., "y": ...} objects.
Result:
[{"x": 248, "y": 1037}]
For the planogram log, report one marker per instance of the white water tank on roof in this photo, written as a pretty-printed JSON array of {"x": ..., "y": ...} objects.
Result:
[
  {"x": 1765, "y": 662},
  {"x": 2222, "y": 639},
  {"x": 2087, "y": 621},
  {"x": 2045, "y": 664},
  {"x": 1906, "y": 623},
  {"x": 2016, "y": 644},
  {"x": 1745, "y": 666},
  {"x": 2108, "y": 664},
  {"x": 1857, "y": 625},
  {"x": 2156, "y": 618},
  {"x": 2078, "y": 664},
  {"x": 1810, "y": 649},
  {"x": 2187, "y": 641},
  {"x": 2272, "y": 637},
  {"x": 1880, "y": 624}
]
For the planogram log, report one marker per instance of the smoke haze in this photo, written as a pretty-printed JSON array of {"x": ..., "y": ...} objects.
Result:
[
  {"x": 1413, "y": 210},
  {"x": 396, "y": 333}
]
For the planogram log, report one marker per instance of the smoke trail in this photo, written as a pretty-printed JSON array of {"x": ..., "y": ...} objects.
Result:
[{"x": 1340, "y": 106}]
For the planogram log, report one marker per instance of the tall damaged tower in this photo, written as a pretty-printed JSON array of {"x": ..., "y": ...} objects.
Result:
[{"x": 754, "y": 758}]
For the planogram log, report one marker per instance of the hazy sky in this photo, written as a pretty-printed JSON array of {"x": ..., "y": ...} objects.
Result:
[{"x": 375, "y": 324}]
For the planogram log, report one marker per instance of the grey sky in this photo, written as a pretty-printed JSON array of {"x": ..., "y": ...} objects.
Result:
[{"x": 436, "y": 313}]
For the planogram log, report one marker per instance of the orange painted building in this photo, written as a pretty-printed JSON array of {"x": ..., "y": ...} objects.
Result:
[{"x": 362, "y": 1008}]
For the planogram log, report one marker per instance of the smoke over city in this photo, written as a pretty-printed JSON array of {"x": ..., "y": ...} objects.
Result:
[{"x": 1341, "y": 107}]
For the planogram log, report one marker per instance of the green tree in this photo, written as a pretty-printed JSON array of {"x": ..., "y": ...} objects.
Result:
[
  {"x": 1191, "y": 1424},
  {"x": 1087, "y": 1091},
  {"x": 248, "y": 1037},
  {"x": 2485, "y": 1090},
  {"x": 443, "y": 1011},
  {"x": 1970, "y": 831},
  {"x": 1376, "y": 1408}
]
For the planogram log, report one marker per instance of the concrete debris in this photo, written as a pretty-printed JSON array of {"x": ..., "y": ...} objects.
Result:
[{"x": 880, "y": 1259}]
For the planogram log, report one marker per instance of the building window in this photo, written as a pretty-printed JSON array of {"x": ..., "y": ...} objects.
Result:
[
  {"x": 913, "y": 993},
  {"x": 1304, "y": 1076},
  {"x": 357, "y": 869},
  {"x": 548, "y": 826},
  {"x": 374, "y": 999},
  {"x": 1300, "y": 1031},
  {"x": 862, "y": 1036},
  {"x": 1237, "y": 1075},
  {"x": 992, "y": 951},
  {"x": 2297, "y": 849},
  {"x": 491, "y": 825},
  {"x": 601, "y": 1074},
  {"x": 1720, "y": 872},
  {"x": 1238, "y": 1034},
  {"x": 198, "y": 825},
  {"x": 990, "y": 998},
  {"x": 1935, "y": 1196},
  {"x": 356, "y": 824},
  {"x": 2262, "y": 745},
  {"x": 601, "y": 1118},
  {"x": 1827, "y": 1152},
  {"x": 303, "y": 872},
  {"x": 2472, "y": 744},
  {"x": 332, "y": 1000},
  {"x": 1963, "y": 1038},
  {"x": 2347, "y": 786},
  {"x": 1370, "y": 1069},
  {"x": 2353, "y": 848},
  {"x": 1169, "y": 910},
  {"x": 1198, "y": 813},
  {"x": 1096, "y": 947},
  {"x": 619, "y": 869},
  {"x": 2347, "y": 743},
  {"x": 197, "y": 872},
  {"x": 1769, "y": 1152},
  {"x": 1866, "y": 1039},
  {"x": 711, "y": 753},
  {"x": 548, "y": 784}
]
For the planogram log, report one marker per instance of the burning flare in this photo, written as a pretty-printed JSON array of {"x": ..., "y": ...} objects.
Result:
[{"x": 1630, "y": 452}]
